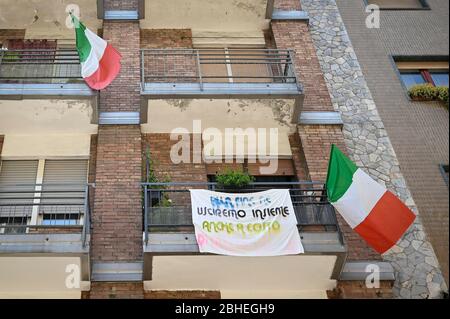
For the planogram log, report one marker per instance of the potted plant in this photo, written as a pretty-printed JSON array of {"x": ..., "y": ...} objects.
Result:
[
  {"x": 428, "y": 92},
  {"x": 233, "y": 180}
]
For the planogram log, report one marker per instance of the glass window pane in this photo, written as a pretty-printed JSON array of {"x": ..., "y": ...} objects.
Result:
[
  {"x": 440, "y": 78},
  {"x": 412, "y": 78}
]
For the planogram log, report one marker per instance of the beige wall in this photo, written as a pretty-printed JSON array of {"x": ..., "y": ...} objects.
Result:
[
  {"x": 46, "y": 18},
  {"x": 46, "y": 146},
  {"x": 206, "y": 15},
  {"x": 263, "y": 277},
  {"x": 36, "y": 277},
  {"x": 46, "y": 117}
]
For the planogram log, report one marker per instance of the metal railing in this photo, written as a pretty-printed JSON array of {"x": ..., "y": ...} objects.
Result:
[
  {"x": 40, "y": 66},
  {"x": 168, "y": 205},
  {"x": 217, "y": 65},
  {"x": 45, "y": 208}
]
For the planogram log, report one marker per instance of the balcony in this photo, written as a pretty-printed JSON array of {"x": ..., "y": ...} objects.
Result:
[
  {"x": 44, "y": 219},
  {"x": 168, "y": 215},
  {"x": 38, "y": 73},
  {"x": 172, "y": 259},
  {"x": 220, "y": 74}
]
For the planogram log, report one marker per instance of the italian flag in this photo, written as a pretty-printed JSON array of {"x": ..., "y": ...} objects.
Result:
[
  {"x": 100, "y": 62},
  {"x": 373, "y": 212}
]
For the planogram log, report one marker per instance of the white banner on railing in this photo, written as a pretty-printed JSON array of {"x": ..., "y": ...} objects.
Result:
[{"x": 245, "y": 224}]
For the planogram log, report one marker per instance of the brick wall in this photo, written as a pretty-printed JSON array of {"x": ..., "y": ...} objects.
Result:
[
  {"x": 287, "y": 4},
  {"x": 298, "y": 158},
  {"x": 117, "y": 215},
  {"x": 160, "y": 145},
  {"x": 316, "y": 141},
  {"x": 158, "y": 66},
  {"x": 124, "y": 92},
  {"x": 181, "y": 294},
  {"x": 358, "y": 290},
  {"x": 166, "y": 38},
  {"x": 6, "y": 34},
  {"x": 296, "y": 36},
  {"x": 92, "y": 167},
  {"x": 107, "y": 290}
]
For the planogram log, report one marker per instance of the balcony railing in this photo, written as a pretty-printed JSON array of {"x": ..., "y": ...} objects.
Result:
[
  {"x": 203, "y": 66},
  {"x": 167, "y": 206},
  {"x": 45, "y": 208},
  {"x": 37, "y": 66}
]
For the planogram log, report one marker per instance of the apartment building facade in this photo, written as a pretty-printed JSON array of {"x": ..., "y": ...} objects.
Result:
[{"x": 92, "y": 203}]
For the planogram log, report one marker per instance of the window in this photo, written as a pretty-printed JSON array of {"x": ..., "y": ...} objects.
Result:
[
  {"x": 417, "y": 70},
  {"x": 444, "y": 172},
  {"x": 440, "y": 78},
  {"x": 411, "y": 78},
  {"x": 61, "y": 202},
  {"x": 400, "y": 4},
  {"x": 60, "y": 219}
]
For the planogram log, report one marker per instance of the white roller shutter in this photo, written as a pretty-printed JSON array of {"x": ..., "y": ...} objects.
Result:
[
  {"x": 61, "y": 176},
  {"x": 20, "y": 177}
]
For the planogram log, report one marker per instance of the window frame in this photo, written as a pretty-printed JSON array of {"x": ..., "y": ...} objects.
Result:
[
  {"x": 444, "y": 171},
  {"x": 401, "y": 58}
]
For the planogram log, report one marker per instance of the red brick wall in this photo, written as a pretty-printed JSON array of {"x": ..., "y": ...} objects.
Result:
[
  {"x": 108, "y": 290},
  {"x": 166, "y": 38},
  {"x": 117, "y": 215},
  {"x": 157, "y": 66},
  {"x": 92, "y": 166},
  {"x": 316, "y": 141},
  {"x": 6, "y": 34},
  {"x": 295, "y": 35},
  {"x": 298, "y": 158},
  {"x": 181, "y": 294},
  {"x": 358, "y": 290},
  {"x": 287, "y": 5},
  {"x": 160, "y": 146},
  {"x": 124, "y": 92}
]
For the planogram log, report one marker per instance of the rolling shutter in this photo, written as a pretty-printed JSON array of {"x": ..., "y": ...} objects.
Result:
[
  {"x": 12, "y": 174},
  {"x": 61, "y": 176}
]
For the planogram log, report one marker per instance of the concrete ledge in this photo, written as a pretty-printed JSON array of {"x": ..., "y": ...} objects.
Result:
[
  {"x": 221, "y": 90},
  {"x": 121, "y": 15},
  {"x": 317, "y": 118},
  {"x": 290, "y": 15},
  {"x": 68, "y": 90},
  {"x": 121, "y": 118},
  {"x": 43, "y": 244},
  {"x": 116, "y": 272},
  {"x": 186, "y": 243},
  {"x": 354, "y": 270}
]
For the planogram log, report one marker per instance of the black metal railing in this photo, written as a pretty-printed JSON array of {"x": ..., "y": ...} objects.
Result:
[
  {"x": 44, "y": 208},
  {"x": 217, "y": 65},
  {"x": 168, "y": 205},
  {"x": 30, "y": 66}
]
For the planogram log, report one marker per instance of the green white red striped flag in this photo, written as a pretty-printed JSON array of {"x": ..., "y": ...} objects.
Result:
[
  {"x": 369, "y": 208},
  {"x": 100, "y": 62}
]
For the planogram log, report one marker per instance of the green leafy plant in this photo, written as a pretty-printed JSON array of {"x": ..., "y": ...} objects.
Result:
[
  {"x": 234, "y": 179},
  {"x": 9, "y": 56},
  {"x": 443, "y": 93},
  {"x": 428, "y": 92},
  {"x": 151, "y": 177}
]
